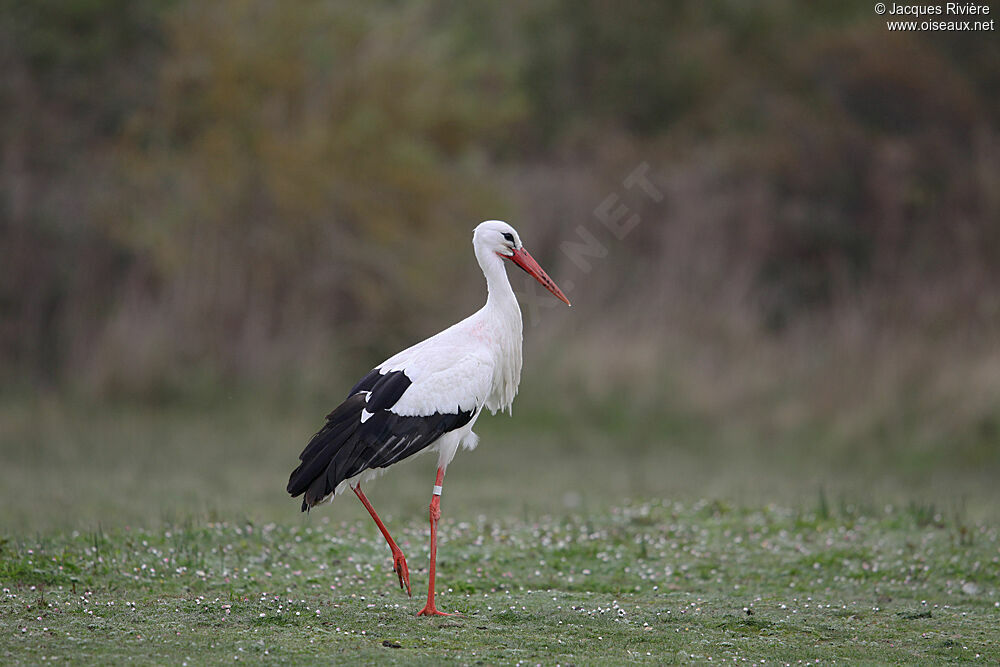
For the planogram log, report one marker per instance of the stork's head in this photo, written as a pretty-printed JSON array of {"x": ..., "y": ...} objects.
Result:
[{"x": 498, "y": 237}]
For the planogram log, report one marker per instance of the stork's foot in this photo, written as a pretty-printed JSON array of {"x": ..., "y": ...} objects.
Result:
[
  {"x": 399, "y": 567},
  {"x": 431, "y": 610}
]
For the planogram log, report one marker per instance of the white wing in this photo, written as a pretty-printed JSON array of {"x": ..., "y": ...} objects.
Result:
[{"x": 447, "y": 375}]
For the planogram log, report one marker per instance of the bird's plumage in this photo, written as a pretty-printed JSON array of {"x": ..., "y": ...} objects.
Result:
[
  {"x": 428, "y": 396},
  {"x": 347, "y": 446}
]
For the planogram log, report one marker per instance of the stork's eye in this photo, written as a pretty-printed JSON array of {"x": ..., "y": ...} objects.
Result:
[{"x": 508, "y": 236}]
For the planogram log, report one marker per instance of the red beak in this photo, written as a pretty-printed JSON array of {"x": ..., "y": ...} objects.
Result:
[{"x": 522, "y": 258}]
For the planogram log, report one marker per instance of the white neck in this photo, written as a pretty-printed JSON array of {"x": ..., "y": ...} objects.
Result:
[
  {"x": 500, "y": 293},
  {"x": 502, "y": 316}
]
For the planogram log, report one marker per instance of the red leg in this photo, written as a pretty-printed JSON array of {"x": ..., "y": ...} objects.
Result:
[
  {"x": 398, "y": 561},
  {"x": 429, "y": 609}
]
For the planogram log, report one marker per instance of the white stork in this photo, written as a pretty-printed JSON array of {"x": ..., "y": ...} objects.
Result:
[{"x": 426, "y": 398}]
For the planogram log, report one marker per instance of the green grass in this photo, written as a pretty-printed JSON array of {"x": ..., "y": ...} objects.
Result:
[
  {"x": 649, "y": 582},
  {"x": 162, "y": 534}
]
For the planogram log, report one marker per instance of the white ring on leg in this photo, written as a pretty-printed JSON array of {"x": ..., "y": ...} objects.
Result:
[{"x": 437, "y": 490}]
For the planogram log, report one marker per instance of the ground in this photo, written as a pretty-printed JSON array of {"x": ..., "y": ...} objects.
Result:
[
  {"x": 163, "y": 535},
  {"x": 646, "y": 582}
]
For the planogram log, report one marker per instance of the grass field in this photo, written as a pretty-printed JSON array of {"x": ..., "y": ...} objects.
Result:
[
  {"x": 648, "y": 582},
  {"x": 163, "y": 535}
]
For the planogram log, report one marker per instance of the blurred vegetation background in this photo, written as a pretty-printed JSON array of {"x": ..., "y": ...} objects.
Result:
[{"x": 240, "y": 206}]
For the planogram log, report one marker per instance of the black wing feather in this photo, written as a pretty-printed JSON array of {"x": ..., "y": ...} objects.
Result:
[
  {"x": 386, "y": 391},
  {"x": 339, "y": 424},
  {"x": 346, "y": 446},
  {"x": 367, "y": 382}
]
